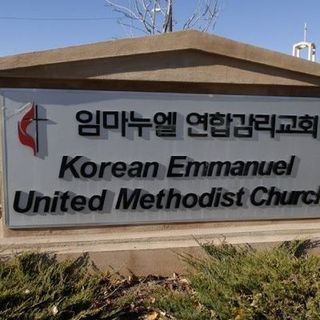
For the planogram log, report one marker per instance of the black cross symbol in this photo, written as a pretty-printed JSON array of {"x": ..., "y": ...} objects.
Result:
[{"x": 37, "y": 119}]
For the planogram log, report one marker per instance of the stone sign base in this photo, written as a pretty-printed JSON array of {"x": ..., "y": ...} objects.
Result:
[
  {"x": 144, "y": 250},
  {"x": 182, "y": 62}
]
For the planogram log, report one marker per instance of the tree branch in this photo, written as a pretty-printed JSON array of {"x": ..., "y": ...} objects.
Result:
[{"x": 156, "y": 16}]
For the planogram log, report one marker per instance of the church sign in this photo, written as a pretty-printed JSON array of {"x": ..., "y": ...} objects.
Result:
[{"x": 76, "y": 157}]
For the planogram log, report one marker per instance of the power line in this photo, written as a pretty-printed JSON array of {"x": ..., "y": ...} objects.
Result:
[{"x": 56, "y": 19}]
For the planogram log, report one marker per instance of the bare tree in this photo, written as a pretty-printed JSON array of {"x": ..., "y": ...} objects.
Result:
[{"x": 156, "y": 16}]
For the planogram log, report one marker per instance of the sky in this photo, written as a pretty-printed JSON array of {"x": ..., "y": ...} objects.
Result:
[{"x": 34, "y": 25}]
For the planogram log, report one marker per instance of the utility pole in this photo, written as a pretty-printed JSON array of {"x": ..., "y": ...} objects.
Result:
[{"x": 168, "y": 22}]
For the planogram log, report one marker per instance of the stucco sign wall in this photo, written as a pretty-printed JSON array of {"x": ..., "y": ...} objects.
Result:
[{"x": 76, "y": 157}]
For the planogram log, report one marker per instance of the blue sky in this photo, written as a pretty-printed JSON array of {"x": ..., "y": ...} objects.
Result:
[{"x": 272, "y": 24}]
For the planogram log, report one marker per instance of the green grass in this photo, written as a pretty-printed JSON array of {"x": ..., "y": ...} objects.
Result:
[
  {"x": 37, "y": 286},
  {"x": 243, "y": 283},
  {"x": 230, "y": 283}
]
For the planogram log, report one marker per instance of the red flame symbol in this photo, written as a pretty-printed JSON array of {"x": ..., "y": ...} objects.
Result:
[{"x": 23, "y": 125}]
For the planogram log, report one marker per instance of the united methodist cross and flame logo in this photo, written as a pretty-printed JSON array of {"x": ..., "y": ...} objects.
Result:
[{"x": 27, "y": 137}]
